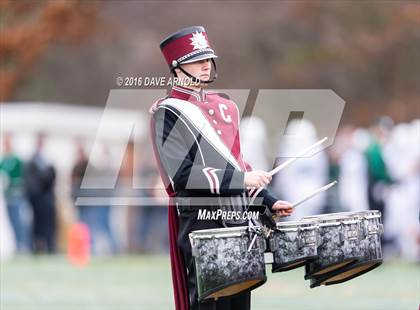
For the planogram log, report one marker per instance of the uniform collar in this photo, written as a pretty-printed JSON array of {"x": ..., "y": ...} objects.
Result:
[{"x": 184, "y": 93}]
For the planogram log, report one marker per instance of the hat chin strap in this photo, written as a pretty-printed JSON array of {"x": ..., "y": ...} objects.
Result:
[{"x": 197, "y": 80}]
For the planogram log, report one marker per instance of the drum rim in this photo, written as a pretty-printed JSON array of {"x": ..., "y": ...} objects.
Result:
[
  {"x": 295, "y": 229},
  {"x": 367, "y": 214},
  {"x": 325, "y": 215},
  {"x": 334, "y": 216},
  {"x": 361, "y": 213},
  {"x": 296, "y": 224},
  {"x": 200, "y": 232},
  {"x": 339, "y": 221}
]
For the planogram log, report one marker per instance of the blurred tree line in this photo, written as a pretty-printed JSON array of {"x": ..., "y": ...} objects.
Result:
[
  {"x": 72, "y": 51},
  {"x": 28, "y": 31}
]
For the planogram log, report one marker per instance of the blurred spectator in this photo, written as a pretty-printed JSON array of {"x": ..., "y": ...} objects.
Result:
[
  {"x": 40, "y": 183},
  {"x": 96, "y": 217},
  {"x": 378, "y": 174},
  {"x": 7, "y": 242},
  {"x": 12, "y": 168},
  {"x": 348, "y": 167},
  {"x": 402, "y": 154},
  {"x": 77, "y": 174},
  {"x": 152, "y": 229},
  {"x": 253, "y": 142},
  {"x": 304, "y": 175},
  {"x": 102, "y": 213},
  {"x": 332, "y": 201}
]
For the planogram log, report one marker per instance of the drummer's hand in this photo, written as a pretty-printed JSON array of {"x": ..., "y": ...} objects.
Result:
[
  {"x": 256, "y": 178},
  {"x": 283, "y": 208}
]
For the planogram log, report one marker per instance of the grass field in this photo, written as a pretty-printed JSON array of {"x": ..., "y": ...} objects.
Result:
[{"x": 143, "y": 282}]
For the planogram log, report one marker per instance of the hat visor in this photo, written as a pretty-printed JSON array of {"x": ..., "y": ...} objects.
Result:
[{"x": 198, "y": 58}]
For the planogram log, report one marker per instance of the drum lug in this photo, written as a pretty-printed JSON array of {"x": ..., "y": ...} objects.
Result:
[
  {"x": 341, "y": 233},
  {"x": 353, "y": 234},
  {"x": 365, "y": 231},
  {"x": 273, "y": 245},
  {"x": 194, "y": 250},
  {"x": 318, "y": 238},
  {"x": 262, "y": 245},
  {"x": 313, "y": 241},
  {"x": 244, "y": 248},
  {"x": 361, "y": 233},
  {"x": 300, "y": 241},
  {"x": 349, "y": 234},
  {"x": 373, "y": 230},
  {"x": 306, "y": 241},
  {"x": 381, "y": 228},
  {"x": 214, "y": 249}
]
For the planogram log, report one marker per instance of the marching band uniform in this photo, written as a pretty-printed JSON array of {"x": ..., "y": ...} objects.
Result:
[{"x": 197, "y": 145}]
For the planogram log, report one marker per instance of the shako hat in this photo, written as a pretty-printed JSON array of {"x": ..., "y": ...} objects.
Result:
[{"x": 185, "y": 46}]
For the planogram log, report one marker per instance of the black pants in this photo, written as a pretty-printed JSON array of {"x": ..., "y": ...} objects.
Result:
[
  {"x": 44, "y": 224},
  {"x": 376, "y": 202},
  {"x": 187, "y": 223}
]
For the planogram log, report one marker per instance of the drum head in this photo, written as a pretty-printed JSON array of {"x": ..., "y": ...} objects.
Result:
[
  {"x": 225, "y": 262},
  {"x": 291, "y": 265},
  {"x": 345, "y": 273},
  {"x": 219, "y": 232},
  {"x": 232, "y": 289},
  {"x": 313, "y": 272}
]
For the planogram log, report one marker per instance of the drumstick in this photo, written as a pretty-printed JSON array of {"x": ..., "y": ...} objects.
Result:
[
  {"x": 291, "y": 160},
  {"x": 318, "y": 191}
]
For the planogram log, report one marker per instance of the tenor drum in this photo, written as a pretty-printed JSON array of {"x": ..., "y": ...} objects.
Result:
[
  {"x": 293, "y": 244},
  {"x": 371, "y": 229},
  {"x": 339, "y": 243},
  {"x": 228, "y": 261}
]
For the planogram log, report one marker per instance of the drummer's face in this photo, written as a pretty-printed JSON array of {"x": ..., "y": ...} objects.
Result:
[{"x": 200, "y": 69}]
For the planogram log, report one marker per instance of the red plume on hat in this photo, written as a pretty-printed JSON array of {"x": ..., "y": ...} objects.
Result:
[{"x": 186, "y": 45}]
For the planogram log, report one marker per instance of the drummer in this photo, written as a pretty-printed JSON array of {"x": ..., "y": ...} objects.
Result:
[{"x": 196, "y": 141}]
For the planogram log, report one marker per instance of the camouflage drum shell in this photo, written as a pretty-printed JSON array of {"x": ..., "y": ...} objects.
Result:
[
  {"x": 340, "y": 236},
  {"x": 222, "y": 258},
  {"x": 293, "y": 243},
  {"x": 371, "y": 231}
]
